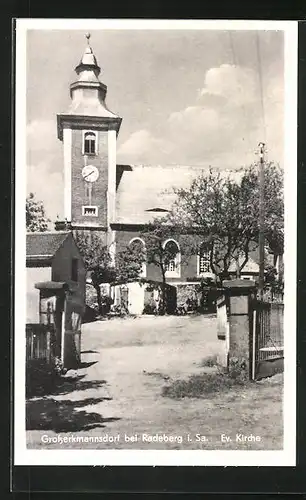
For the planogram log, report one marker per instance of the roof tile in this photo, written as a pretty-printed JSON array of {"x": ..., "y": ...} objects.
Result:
[{"x": 44, "y": 244}]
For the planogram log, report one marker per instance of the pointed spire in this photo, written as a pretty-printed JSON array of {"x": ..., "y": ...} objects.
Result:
[{"x": 88, "y": 61}]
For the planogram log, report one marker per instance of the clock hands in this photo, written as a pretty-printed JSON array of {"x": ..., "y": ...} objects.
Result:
[
  {"x": 90, "y": 173},
  {"x": 87, "y": 175}
]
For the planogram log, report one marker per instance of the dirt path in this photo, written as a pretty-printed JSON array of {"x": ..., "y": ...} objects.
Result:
[{"x": 117, "y": 392}]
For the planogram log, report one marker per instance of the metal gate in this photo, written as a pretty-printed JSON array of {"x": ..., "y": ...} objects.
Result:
[
  {"x": 40, "y": 342},
  {"x": 267, "y": 338}
]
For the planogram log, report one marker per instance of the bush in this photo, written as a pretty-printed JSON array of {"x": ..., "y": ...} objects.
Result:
[
  {"x": 149, "y": 309},
  {"x": 238, "y": 369}
]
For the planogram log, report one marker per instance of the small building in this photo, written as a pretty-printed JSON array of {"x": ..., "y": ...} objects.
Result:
[
  {"x": 251, "y": 269},
  {"x": 249, "y": 272},
  {"x": 55, "y": 284}
]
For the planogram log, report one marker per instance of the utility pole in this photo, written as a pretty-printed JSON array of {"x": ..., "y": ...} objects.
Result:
[{"x": 261, "y": 241}]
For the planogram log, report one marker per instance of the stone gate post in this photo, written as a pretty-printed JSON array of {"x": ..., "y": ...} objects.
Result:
[{"x": 239, "y": 293}]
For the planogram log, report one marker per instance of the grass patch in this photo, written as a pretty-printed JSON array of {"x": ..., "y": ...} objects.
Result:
[
  {"x": 204, "y": 385},
  {"x": 157, "y": 374},
  {"x": 209, "y": 361}
]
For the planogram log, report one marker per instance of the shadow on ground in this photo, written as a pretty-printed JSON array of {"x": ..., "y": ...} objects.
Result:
[
  {"x": 43, "y": 412},
  {"x": 63, "y": 416},
  {"x": 42, "y": 383},
  {"x": 87, "y": 364},
  {"x": 90, "y": 315}
]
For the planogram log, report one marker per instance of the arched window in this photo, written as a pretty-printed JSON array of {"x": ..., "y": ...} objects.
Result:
[
  {"x": 139, "y": 244},
  {"x": 90, "y": 143},
  {"x": 204, "y": 259},
  {"x": 172, "y": 258}
]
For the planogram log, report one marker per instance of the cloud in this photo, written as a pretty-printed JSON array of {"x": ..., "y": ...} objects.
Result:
[
  {"x": 140, "y": 143},
  {"x": 222, "y": 125},
  {"x": 237, "y": 85},
  {"x": 45, "y": 163},
  {"x": 42, "y": 140},
  {"x": 41, "y": 133}
]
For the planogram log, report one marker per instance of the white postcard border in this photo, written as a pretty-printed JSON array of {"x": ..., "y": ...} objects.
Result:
[{"x": 285, "y": 457}]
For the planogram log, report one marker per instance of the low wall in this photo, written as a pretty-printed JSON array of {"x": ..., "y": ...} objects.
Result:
[
  {"x": 202, "y": 298},
  {"x": 143, "y": 297},
  {"x": 153, "y": 297},
  {"x": 136, "y": 298}
]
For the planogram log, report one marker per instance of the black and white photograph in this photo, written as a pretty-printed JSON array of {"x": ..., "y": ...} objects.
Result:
[{"x": 155, "y": 262}]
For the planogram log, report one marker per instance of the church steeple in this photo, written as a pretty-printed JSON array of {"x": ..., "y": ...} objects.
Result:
[
  {"x": 87, "y": 92},
  {"x": 89, "y": 59},
  {"x": 89, "y": 132},
  {"x": 88, "y": 73}
]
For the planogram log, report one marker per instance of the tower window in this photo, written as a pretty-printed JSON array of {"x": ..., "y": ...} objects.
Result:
[
  {"x": 89, "y": 210},
  {"x": 172, "y": 258},
  {"x": 140, "y": 248},
  {"x": 204, "y": 259},
  {"x": 90, "y": 143}
]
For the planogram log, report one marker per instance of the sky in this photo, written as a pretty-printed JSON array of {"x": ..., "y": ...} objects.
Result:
[{"x": 187, "y": 97}]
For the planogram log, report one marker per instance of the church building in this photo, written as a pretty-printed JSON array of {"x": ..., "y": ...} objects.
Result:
[{"x": 115, "y": 200}]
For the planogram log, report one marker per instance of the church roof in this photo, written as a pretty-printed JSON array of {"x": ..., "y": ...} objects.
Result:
[
  {"x": 145, "y": 192},
  {"x": 90, "y": 107}
]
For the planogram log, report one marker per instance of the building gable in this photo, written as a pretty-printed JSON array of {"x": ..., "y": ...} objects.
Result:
[{"x": 43, "y": 246}]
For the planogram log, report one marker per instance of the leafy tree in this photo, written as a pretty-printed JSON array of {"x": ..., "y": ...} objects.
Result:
[
  {"x": 97, "y": 260},
  {"x": 36, "y": 219},
  {"x": 271, "y": 274},
  {"x": 99, "y": 263},
  {"x": 129, "y": 262},
  {"x": 273, "y": 203},
  {"x": 225, "y": 210},
  {"x": 155, "y": 235}
]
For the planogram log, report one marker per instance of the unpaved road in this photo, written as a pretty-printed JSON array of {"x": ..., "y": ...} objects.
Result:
[{"x": 116, "y": 395}]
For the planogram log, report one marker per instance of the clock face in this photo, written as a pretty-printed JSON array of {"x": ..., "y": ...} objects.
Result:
[{"x": 90, "y": 173}]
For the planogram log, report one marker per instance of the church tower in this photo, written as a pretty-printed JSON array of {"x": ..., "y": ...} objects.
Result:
[{"x": 89, "y": 132}]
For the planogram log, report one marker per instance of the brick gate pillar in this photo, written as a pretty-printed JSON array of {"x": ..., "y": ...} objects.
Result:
[{"x": 239, "y": 293}]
